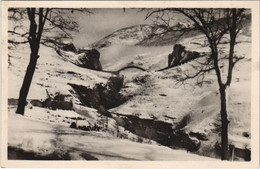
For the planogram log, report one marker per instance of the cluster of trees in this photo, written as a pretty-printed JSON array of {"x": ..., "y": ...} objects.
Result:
[{"x": 214, "y": 23}]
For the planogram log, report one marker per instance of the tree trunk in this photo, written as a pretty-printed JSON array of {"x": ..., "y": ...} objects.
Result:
[
  {"x": 224, "y": 121},
  {"x": 26, "y": 83}
]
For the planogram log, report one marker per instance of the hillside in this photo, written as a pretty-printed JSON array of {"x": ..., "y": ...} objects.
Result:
[
  {"x": 142, "y": 35},
  {"x": 127, "y": 36},
  {"x": 26, "y": 141},
  {"x": 156, "y": 35},
  {"x": 150, "y": 111}
]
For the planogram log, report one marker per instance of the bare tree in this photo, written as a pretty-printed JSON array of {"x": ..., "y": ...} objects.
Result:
[
  {"x": 214, "y": 24},
  {"x": 49, "y": 20},
  {"x": 59, "y": 25}
]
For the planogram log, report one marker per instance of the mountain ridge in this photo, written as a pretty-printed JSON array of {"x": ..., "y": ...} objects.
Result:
[{"x": 155, "y": 35}]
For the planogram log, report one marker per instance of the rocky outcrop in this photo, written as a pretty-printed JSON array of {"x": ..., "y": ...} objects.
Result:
[
  {"x": 180, "y": 139},
  {"x": 59, "y": 101},
  {"x": 87, "y": 96},
  {"x": 106, "y": 95},
  {"x": 240, "y": 152},
  {"x": 57, "y": 104},
  {"x": 82, "y": 57},
  {"x": 103, "y": 111},
  {"x": 90, "y": 59},
  {"x": 36, "y": 103},
  {"x": 159, "y": 131},
  {"x": 69, "y": 47},
  {"x": 180, "y": 55}
]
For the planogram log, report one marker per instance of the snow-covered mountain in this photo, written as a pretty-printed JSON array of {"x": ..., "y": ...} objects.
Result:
[
  {"x": 154, "y": 107},
  {"x": 155, "y": 35},
  {"x": 128, "y": 36},
  {"x": 142, "y": 35}
]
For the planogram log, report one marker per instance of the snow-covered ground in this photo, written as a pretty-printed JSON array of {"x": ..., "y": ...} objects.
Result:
[
  {"x": 156, "y": 95},
  {"x": 52, "y": 73},
  {"x": 162, "y": 98},
  {"x": 45, "y": 138}
]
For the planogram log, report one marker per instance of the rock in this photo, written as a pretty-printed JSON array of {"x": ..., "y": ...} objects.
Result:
[
  {"x": 87, "y": 96},
  {"x": 109, "y": 95},
  {"x": 73, "y": 125},
  {"x": 175, "y": 56},
  {"x": 200, "y": 136},
  {"x": 158, "y": 131},
  {"x": 63, "y": 105},
  {"x": 83, "y": 58},
  {"x": 36, "y": 103},
  {"x": 180, "y": 55},
  {"x": 116, "y": 83},
  {"x": 182, "y": 140},
  {"x": 69, "y": 47},
  {"x": 246, "y": 134},
  {"x": 47, "y": 102},
  {"x": 90, "y": 59},
  {"x": 106, "y": 95},
  {"x": 240, "y": 152},
  {"x": 103, "y": 111},
  {"x": 62, "y": 97},
  {"x": 56, "y": 104}
]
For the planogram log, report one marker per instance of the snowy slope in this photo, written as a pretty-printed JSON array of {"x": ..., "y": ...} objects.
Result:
[
  {"x": 162, "y": 98},
  {"x": 46, "y": 133},
  {"x": 48, "y": 140},
  {"x": 154, "y": 95},
  {"x": 52, "y": 73},
  {"x": 128, "y": 36}
]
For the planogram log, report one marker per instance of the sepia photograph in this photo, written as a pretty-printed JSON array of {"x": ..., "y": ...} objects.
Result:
[{"x": 126, "y": 82}]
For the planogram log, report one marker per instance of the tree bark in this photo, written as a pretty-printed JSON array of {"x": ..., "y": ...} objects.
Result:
[
  {"x": 224, "y": 121},
  {"x": 223, "y": 107},
  {"x": 26, "y": 83},
  {"x": 34, "y": 45}
]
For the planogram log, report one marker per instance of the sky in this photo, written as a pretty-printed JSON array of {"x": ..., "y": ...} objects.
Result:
[{"x": 102, "y": 22}]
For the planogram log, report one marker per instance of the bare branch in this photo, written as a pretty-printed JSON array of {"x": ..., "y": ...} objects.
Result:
[{"x": 16, "y": 42}]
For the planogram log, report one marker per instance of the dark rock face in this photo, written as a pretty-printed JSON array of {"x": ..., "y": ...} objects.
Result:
[
  {"x": 240, "y": 152},
  {"x": 57, "y": 104},
  {"x": 73, "y": 125},
  {"x": 116, "y": 83},
  {"x": 84, "y": 58},
  {"x": 183, "y": 140},
  {"x": 101, "y": 95},
  {"x": 62, "y": 97},
  {"x": 90, "y": 59},
  {"x": 200, "y": 136},
  {"x": 180, "y": 55},
  {"x": 69, "y": 47},
  {"x": 60, "y": 101},
  {"x": 36, "y": 103},
  {"x": 158, "y": 131},
  {"x": 154, "y": 130},
  {"x": 109, "y": 95},
  {"x": 89, "y": 97},
  {"x": 102, "y": 110},
  {"x": 175, "y": 56}
]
